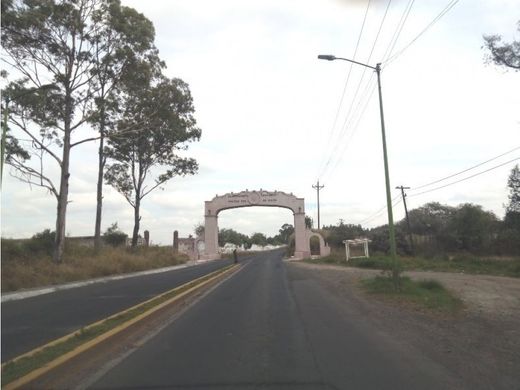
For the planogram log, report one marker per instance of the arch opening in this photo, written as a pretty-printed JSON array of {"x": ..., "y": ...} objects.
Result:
[{"x": 255, "y": 198}]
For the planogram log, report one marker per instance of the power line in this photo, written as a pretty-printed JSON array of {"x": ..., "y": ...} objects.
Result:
[
  {"x": 446, "y": 9},
  {"x": 465, "y": 170},
  {"x": 332, "y": 132},
  {"x": 356, "y": 126},
  {"x": 398, "y": 30},
  {"x": 466, "y": 178},
  {"x": 388, "y": 51},
  {"x": 396, "y": 199},
  {"x": 348, "y": 116}
]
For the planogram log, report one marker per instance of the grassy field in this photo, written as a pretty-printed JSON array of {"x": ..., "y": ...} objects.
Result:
[
  {"x": 25, "y": 269},
  {"x": 458, "y": 263},
  {"x": 427, "y": 294}
]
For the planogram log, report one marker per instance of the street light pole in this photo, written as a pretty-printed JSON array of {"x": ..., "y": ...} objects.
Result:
[{"x": 391, "y": 230}]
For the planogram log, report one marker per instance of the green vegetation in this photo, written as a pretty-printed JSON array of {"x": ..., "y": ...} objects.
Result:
[
  {"x": 429, "y": 294},
  {"x": 231, "y": 236},
  {"x": 19, "y": 367},
  {"x": 471, "y": 264},
  {"x": 114, "y": 236},
  {"x": 28, "y": 263}
]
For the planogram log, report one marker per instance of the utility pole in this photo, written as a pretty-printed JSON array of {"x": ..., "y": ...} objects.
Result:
[
  {"x": 317, "y": 187},
  {"x": 407, "y": 218}
]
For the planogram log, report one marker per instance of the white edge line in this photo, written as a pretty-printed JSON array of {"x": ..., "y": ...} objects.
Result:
[{"x": 18, "y": 295}]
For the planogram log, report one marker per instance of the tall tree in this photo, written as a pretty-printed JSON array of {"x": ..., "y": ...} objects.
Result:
[
  {"x": 473, "y": 228},
  {"x": 165, "y": 108},
  {"x": 125, "y": 39},
  {"x": 512, "y": 218},
  {"x": 503, "y": 53},
  {"x": 50, "y": 42}
]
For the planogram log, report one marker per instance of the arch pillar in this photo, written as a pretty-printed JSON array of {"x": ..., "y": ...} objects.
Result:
[
  {"x": 211, "y": 235},
  {"x": 302, "y": 247}
]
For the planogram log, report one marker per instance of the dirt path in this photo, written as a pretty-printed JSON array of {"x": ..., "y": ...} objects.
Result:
[{"x": 481, "y": 344}]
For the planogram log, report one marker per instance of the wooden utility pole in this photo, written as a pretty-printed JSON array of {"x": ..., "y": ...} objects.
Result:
[
  {"x": 403, "y": 194},
  {"x": 317, "y": 187}
]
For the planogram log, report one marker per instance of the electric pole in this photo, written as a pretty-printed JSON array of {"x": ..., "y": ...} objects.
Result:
[
  {"x": 407, "y": 218},
  {"x": 317, "y": 187}
]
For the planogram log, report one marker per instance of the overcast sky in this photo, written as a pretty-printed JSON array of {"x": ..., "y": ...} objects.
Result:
[{"x": 271, "y": 116}]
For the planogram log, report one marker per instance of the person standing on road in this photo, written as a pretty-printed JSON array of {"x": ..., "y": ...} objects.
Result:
[{"x": 235, "y": 255}]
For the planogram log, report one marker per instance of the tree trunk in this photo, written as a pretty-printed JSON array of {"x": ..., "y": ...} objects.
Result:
[
  {"x": 137, "y": 220},
  {"x": 63, "y": 196},
  {"x": 101, "y": 168}
]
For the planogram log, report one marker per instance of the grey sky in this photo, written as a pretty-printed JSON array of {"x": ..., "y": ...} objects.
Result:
[{"x": 266, "y": 107}]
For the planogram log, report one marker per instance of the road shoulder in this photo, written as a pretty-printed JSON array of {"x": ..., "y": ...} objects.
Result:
[{"x": 481, "y": 344}]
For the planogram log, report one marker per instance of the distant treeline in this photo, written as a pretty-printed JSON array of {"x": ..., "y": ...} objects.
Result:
[{"x": 439, "y": 229}]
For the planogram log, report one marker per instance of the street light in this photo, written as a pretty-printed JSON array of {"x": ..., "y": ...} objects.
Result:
[
  {"x": 6, "y": 117},
  {"x": 393, "y": 252}
]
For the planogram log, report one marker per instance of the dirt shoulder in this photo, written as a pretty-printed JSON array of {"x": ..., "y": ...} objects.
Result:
[{"x": 481, "y": 344}]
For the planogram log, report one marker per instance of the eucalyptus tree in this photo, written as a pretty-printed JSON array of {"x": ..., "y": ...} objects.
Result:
[
  {"x": 143, "y": 160},
  {"x": 512, "y": 217},
  {"x": 126, "y": 37},
  {"x": 80, "y": 48},
  {"x": 506, "y": 54},
  {"x": 50, "y": 42}
]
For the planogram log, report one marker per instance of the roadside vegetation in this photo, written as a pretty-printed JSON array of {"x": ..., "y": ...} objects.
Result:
[
  {"x": 424, "y": 294},
  {"x": 464, "y": 263},
  {"x": 28, "y": 263}
]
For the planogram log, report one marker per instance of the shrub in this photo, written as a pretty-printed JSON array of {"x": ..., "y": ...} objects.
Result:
[
  {"x": 114, "y": 236},
  {"x": 41, "y": 243}
]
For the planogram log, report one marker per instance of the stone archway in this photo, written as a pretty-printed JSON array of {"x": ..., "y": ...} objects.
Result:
[
  {"x": 324, "y": 248},
  {"x": 255, "y": 198}
]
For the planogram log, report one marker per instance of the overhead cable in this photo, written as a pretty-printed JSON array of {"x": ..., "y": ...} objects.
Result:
[
  {"x": 466, "y": 178},
  {"x": 332, "y": 131},
  {"x": 465, "y": 170},
  {"x": 446, "y": 9},
  {"x": 347, "y": 117}
]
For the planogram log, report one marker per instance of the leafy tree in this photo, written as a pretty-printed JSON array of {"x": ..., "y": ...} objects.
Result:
[
  {"x": 502, "y": 53},
  {"x": 114, "y": 236},
  {"x": 338, "y": 233},
  {"x": 284, "y": 233},
  {"x": 432, "y": 223},
  {"x": 473, "y": 228},
  {"x": 259, "y": 239},
  {"x": 512, "y": 218},
  {"x": 42, "y": 243},
  {"x": 231, "y": 236},
  {"x": 125, "y": 39},
  {"x": 199, "y": 230},
  {"x": 308, "y": 222},
  {"x": 49, "y": 43},
  {"x": 165, "y": 108}
]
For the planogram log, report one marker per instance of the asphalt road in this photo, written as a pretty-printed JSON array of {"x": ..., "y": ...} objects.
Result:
[
  {"x": 31, "y": 322},
  {"x": 270, "y": 326}
]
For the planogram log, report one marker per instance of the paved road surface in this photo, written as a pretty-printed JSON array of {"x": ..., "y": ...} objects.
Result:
[
  {"x": 271, "y": 326},
  {"x": 31, "y": 322}
]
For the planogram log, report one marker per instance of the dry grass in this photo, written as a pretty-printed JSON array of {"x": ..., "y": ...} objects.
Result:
[{"x": 82, "y": 263}]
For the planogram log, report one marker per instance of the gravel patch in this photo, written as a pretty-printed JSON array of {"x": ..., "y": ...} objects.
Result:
[{"x": 480, "y": 344}]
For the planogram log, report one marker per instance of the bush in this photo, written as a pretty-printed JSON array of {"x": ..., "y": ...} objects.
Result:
[
  {"x": 430, "y": 284},
  {"x": 42, "y": 243},
  {"x": 114, "y": 236}
]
